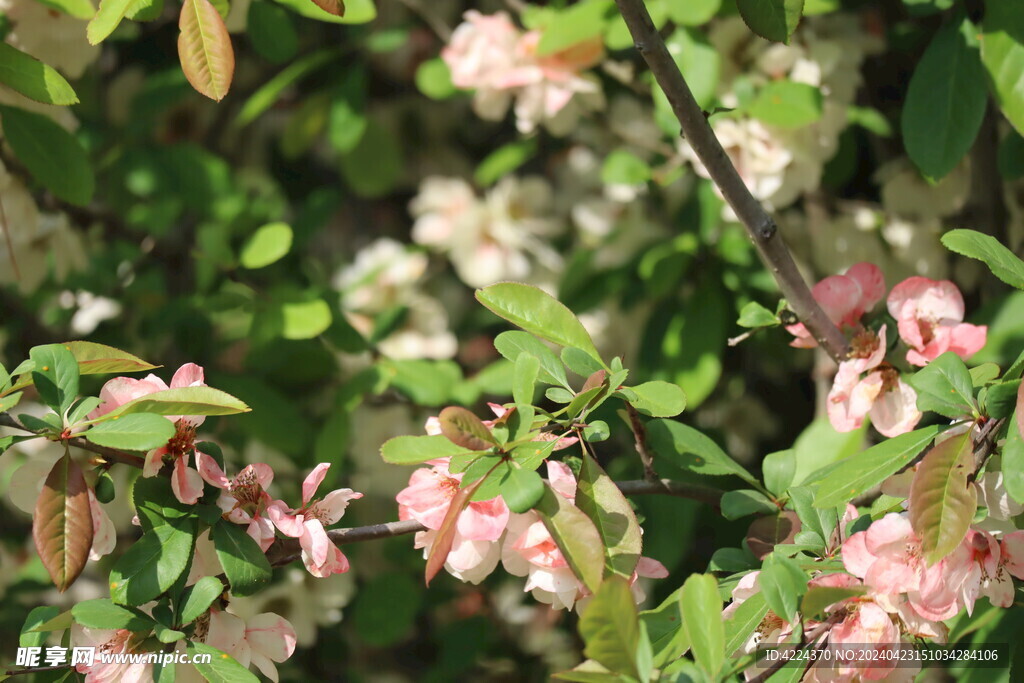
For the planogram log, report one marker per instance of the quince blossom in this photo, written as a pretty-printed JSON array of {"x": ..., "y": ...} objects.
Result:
[
  {"x": 185, "y": 481},
  {"x": 307, "y": 523},
  {"x": 243, "y": 499},
  {"x": 882, "y": 394},
  {"x": 261, "y": 640},
  {"x": 844, "y": 298},
  {"x": 110, "y": 642},
  {"x": 930, "y": 316},
  {"x": 487, "y": 53}
]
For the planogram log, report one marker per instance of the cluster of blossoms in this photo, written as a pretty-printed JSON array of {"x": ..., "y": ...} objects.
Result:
[
  {"x": 929, "y": 319},
  {"x": 488, "y": 532},
  {"x": 904, "y": 598},
  {"x": 489, "y": 54}
]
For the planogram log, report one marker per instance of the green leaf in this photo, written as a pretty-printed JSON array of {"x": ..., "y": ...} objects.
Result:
[
  {"x": 787, "y": 104},
  {"x": 503, "y": 160},
  {"x": 822, "y": 522},
  {"x": 79, "y": 9},
  {"x": 945, "y": 102},
  {"x": 942, "y": 498},
  {"x": 782, "y": 582},
  {"x": 944, "y": 386},
  {"x": 62, "y": 523},
  {"x": 52, "y": 155},
  {"x": 602, "y": 501},
  {"x": 743, "y": 502},
  {"x": 197, "y": 598},
  {"x": 818, "y": 598},
  {"x": 756, "y": 315},
  {"x": 10, "y": 401},
  {"x": 513, "y": 343},
  {"x": 521, "y": 489},
  {"x": 524, "y": 379},
  {"x": 610, "y": 628},
  {"x": 434, "y": 79},
  {"x": 779, "y": 470},
  {"x": 664, "y": 626},
  {"x": 183, "y": 401},
  {"x": 689, "y": 449},
  {"x": 32, "y": 632},
  {"x": 272, "y": 31},
  {"x": 356, "y": 11},
  {"x": 104, "y": 614},
  {"x": 1001, "y": 399},
  {"x": 692, "y": 12},
  {"x": 743, "y": 621},
  {"x": 267, "y": 95},
  {"x": 771, "y": 19},
  {"x": 412, "y": 450},
  {"x": 222, "y": 667},
  {"x": 1013, "y": 461},
  {"x": 819, "y": 446},
  {"x": 658, "y": 399},
  {"x": 1000, "y": 260},
  {"x": 580, "y": 362},
  {"x": 33, "y": 79},
  {"x": 268, "y": 244},
  {"x": 153, "y": 564},
  {"x": 55, "y": 375},
  {"x": 702, "y": 620},
  {"x": 244, "y": 563},
  {"x": 862, "y": 472},
  {"x": 94, "y": 359},
  {"x": 375, "y": 165},
  {"x": 569, "y": 27},
  {"x": 139, "y": 432},
  {"x": 537, "y": 312},
  {"x": 622, "y": 167},
  {"x": 108, "y": 17},
  {"x": 575, "y": 535},
  {"x": 155, "y": 502},
  {"x": 305, "y": 319},
  {"x": 1010, "y": 157},
  {"x": 1002, "y": 53}
]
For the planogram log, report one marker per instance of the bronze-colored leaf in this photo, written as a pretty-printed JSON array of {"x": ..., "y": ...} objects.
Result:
[
  {"x": 62, "y": 523},
  {"x": 594, "y": 381},
  {"x": 335, "y": 7},
  {"x": 767, "y": 532},
  {"x": 204, "y": 49},
  {"x": 943, "y": 500},
  {"x": 446, "y": 534},
  {"x": 465, "y": 429}
]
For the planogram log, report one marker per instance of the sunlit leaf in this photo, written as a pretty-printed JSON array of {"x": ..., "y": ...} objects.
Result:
[
  {"x": 942, "y": 498},
  {"x": 600, "y": 499},
  {"x": 610, "y": 628},
  {"x": 33, "y": 79},
  {"x": 575, "y": 535}
]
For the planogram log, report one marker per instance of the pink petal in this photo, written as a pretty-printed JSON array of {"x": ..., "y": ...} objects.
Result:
[
  {"x": 333, "y": 505},
  {"x": 427, "y": 497},
  {"x": 154, "y": 462},
  {"x": 271, "y": 635},
  {"x": 856, "y": 557},
  {"x": 336, "y": 563},
  {"x": 966, "y": 339},
  {"x": 314, "y": 540},
  {"x": 121, "y": 390},
  {"x": 104, "y": 535},
  {"x": 649, "y": 568},
  {"x": 211, "y": 472},
  {"x": 313, "y": 481},
  {"x": 895, "y": 412},
  {"x": 561, "y": 479},
  {"x": 186, "y": 482},
  {"x": 261, "y": 530},
  {"x": 1012, "y": 552},
  {"x": 287, "y": 523},
  {"x": 484, "y": 520},
  {"x": 839, "y": 296},
  {"x": 871, "y": 281},
  {"x": 226, "y": 632},
  {"x": 188, "y": 375}
]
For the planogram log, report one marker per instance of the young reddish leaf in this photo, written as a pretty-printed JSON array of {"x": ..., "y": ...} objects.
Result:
[
  {"x": 446, "y": 534},
  {"x": 204, "y": 49},
  {"x": 765, "y": 533},
  {"x": 335, "y": 7},
  {"x": 575, "y": 535},
  {"x": 465, "y": 429},
  {"x": 942, "y": 499},
  {"x": 62, "y": 523},
  {"x": 602, "y": 501},
  {"x": 594, "y": 381}
]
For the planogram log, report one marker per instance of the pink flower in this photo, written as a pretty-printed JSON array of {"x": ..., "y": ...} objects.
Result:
[
  {"x": 110, "y": 642},
  {"x": 983, "y": 566},
  {"x": 261, "y": 641},
  {"x": 867, "y": 624},
  {"x": 930, "y": 316},
  {"x": 888, "y": 557},
  {"x": 185, "y": 481},
  {"x": 772, "y": 629},
  {"x": 319, "y": 554},
  {"x": 104, "y": 535},
  {"x": 480, "y": 54},
  {"x": 844, "y": 298},
  {"x": 882, "y": 394},
  {"x": 427, "y": 498},
  {"x": 243, "y": 499}
]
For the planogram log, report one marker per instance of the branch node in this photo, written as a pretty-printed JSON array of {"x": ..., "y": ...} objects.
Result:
[{"x": 767, "y": 228}]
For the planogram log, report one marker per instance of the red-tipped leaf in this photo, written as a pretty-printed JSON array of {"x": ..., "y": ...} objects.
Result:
[{"x": 62, "y": 523}]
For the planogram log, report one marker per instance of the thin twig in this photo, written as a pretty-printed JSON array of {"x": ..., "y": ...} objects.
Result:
[
  {"x": 760, "y": 226},
  {"x": 108, "y": 454},
  {"x": 640, "y": 436},
  {"x": 35, "y": 670}
]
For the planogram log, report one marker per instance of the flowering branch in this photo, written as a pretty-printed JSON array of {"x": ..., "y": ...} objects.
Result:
[
  {"x": 760, "y": 226},
  {"x": 109, "y": 454}
]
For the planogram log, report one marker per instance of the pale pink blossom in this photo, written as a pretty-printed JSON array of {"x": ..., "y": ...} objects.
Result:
[
  {"x": 110, "y": 642},
  {"x": 104, "y": 535},
  {"x": 243, "y": 499},
  {"x": 185, "y": 481},
  {"x": 982, "y": 566},
  {"x": 882, "y": 393},
  {"x": 866, "y": 624},
  {"x": 261, "y": 641},
  {"x": 930, "y": 316},
  {"x": 319, "y": 554},
  {"x": 427, "y": 499},
  {"x": 773, "y": 629},
  {"x": 844, "y": 299},
  {"x": 479, "y": 55}
]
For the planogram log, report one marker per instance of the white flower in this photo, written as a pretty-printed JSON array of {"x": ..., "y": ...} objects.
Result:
[
  {"x": 906, "y": 193},
  {"x": 384, "y": 274}
]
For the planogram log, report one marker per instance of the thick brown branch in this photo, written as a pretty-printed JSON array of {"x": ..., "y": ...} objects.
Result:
[{"x": 759, "y": 224}]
